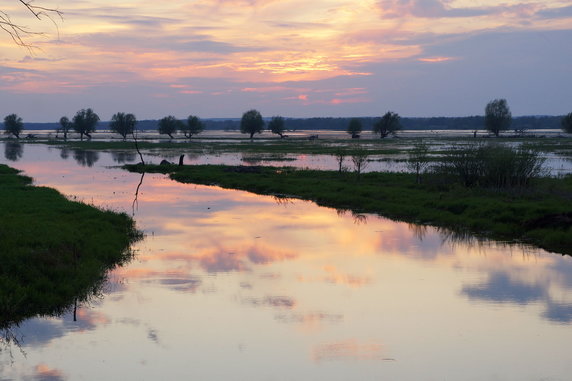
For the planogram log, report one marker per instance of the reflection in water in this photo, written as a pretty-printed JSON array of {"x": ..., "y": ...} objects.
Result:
[
  {"x": 298, "y": 292},
  {"x": 13, "y": 150},
  {"x": 349, "y": 350},
  {"x": 123, "y": 156},
  {"x": 250, "y": 159},
  {"x": 64, "y": 153},
  {"x": 135, "y": 204},
  {"x": 359, "y": 218},
  {"x": 85, "y": 157},
  {"x": 500, "y": 287}
]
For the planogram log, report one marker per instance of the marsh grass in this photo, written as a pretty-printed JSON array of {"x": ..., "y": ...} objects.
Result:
[
  {"x": 53, "y": 252},
  {"x": 501, "y": 214}
]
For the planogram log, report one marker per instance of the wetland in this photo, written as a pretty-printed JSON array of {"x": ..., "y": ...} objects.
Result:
[{"x": 229, "y": 284}]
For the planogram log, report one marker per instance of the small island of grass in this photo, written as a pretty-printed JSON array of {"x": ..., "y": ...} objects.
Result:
[{"x": 540, "y": 214}]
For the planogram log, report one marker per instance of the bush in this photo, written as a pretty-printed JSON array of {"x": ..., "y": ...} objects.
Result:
[{"x": 493, "y": 166}]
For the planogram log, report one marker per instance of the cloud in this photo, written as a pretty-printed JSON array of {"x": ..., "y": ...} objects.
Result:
[
  {"x": 561, "y": 12},
  {"x": 427, "y": 9}
]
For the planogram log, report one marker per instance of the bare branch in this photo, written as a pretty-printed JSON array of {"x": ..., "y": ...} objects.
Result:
[{"x": 18, "y": 32}]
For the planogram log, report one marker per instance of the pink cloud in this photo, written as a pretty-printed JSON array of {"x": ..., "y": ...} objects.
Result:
[{"x": 436, "y": 59}]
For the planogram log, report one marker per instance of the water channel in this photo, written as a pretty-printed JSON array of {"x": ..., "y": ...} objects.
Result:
[{"x": 233, "y": 285}]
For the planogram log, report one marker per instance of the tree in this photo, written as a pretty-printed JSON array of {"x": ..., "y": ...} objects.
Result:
[
  {"x": 251, "y": 123},
  {"x": 497, "y": 116},
  {"x": 387, "y": 124},
  {"x": 194, "y": 126},
  {"x": 418, "y": 160},
  {"x": 123, "y": 124},
  {"x": 18, "y": 31},
  {"x": 276, "y": 125},
  {"x": 169, "y": 125},
  {"x": 359, "y": 158},
  {"x": 84, "y": 122},
  {"x": 13, "y": 125},
  {"x": 65, "y": 126},
  {"x": 354, "y": 127},
  {"x": 340, "y": 154},
  {"x": 567, "y": 123}
]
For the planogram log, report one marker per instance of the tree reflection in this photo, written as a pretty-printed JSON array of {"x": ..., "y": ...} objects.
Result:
[
  {"x": 135, "y": 204},
  {"x": 250, "y": 159},
  {"x": 85, "y": 158},
  {"x": 359, "y": 218},
  {"x": 123, "y": 156},
  {"x": 283, "y": 200},
  {"x": 13, "y": 151},
  {"x": 419, "y": 231},
  {"x": 65, "y": 153}
]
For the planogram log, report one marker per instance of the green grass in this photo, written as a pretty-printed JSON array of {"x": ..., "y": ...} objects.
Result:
[
  {"x": 53, "y": 251},
  {"x": 506, "y": 215}
]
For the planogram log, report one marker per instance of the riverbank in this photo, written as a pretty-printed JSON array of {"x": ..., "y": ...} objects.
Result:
[
  {"x": 54, "y": 252},
  {"x": 539, "y": 215}
]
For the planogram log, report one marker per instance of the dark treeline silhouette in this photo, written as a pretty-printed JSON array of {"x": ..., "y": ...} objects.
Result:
[{"x": 341, "y": 124}]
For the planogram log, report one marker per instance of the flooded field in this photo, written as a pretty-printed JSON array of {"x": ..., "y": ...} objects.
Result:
[{"x": 233, "y": 285}]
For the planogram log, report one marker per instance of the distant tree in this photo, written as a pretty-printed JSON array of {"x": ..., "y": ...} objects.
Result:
[
  {"x": 497, "y": 116},
  {"x": 567, "y": 123},
  {"x": 65, "y": 126},
  {"x": 251, "y": 123},
  {"x": 418, "y": 160},
  {"x": 123, "y": 124},
  {"x": 387, "y": 124},
  {"x": 194, "y": 126},
  {"x": 13, "y": 125},
  {"x": 354, "y": 127},
  {"x": 169, "y": 125},
  {"x": 84, "y": 122},
  {"x": 276, "y": 125},
  {"x": 340, "y": 154},
  {"x": 359, "y": 158}
]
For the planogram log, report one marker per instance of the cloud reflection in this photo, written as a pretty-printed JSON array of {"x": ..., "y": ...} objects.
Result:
[
  {"x": 44, "y": 373},
  {"x": 282, "y": 302},
  {"x": 500, "y": 288},
  {"x": 351, "y": 349}
]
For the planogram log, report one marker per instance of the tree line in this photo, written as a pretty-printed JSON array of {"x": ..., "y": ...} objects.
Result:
[{"x": 497, "y": 118}]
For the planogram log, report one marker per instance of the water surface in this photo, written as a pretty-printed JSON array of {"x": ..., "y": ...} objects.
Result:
[{"x": 232, "y": 285}]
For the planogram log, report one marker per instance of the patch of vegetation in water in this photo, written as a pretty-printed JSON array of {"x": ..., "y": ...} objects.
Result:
[
  {"x": 53, "y": 252},
  {"x": 540, "y": 214}
]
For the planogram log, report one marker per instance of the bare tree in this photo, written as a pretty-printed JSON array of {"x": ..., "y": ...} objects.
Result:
[
  {"x": 418, "y": 159},
  {"x": 359, "y": 158},
  {"x": 18, "y": 31},
  {"x": 340, "y": 154}
]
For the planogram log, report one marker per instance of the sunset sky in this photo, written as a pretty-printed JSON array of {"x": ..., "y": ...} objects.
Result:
[{"x": 296, "y": 58}]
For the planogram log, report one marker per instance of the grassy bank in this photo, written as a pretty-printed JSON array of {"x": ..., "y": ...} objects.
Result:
[
  {"x": 539, "y": 215},
  {"x": 53, "y": 251}
]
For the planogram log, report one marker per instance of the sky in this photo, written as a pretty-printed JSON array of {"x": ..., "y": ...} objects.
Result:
[{"x": 295, "y": 58}]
